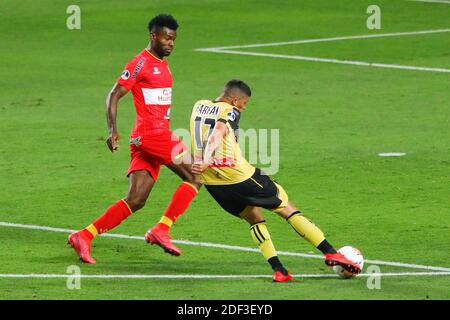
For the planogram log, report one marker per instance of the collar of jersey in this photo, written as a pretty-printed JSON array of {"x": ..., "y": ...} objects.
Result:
[
  {"x": 151, "y": 54},
  {"x": 234, "y": 108}
]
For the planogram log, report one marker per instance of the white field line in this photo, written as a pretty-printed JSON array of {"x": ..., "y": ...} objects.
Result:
[
  {"x": 209, "y": 276},
  {"x": 392, "y": 154},
  {"x": 228, "y": 247},
  {"x": 349, "y": 62},
  {"x": 432, "y": 1},
  {"x": 364, "y": 36},
  {"x": 337, "y": 61}
]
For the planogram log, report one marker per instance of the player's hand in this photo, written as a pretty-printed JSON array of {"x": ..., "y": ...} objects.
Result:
[
  {"x": 113, "y": 141},
  {"x": 199, "y": 167}
]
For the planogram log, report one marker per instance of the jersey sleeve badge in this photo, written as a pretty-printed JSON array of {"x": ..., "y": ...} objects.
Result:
[{"x": 125, "y": 75}]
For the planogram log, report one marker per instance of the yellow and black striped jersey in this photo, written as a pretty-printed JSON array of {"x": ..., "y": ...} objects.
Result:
[{"x": 229, "y": 166}]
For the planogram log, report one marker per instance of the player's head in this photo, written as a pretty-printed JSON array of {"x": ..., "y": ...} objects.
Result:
[
  {"x": 237, "y": 93},
  {"x": 163, "y": 32}
]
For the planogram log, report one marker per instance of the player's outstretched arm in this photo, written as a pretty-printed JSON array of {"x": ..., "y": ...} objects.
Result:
[
  {"x": 214, "y": 141},
  {"x": 112, "y": 102}
]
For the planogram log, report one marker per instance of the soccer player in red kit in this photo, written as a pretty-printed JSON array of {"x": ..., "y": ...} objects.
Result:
[{"x": 152, "y": 144}]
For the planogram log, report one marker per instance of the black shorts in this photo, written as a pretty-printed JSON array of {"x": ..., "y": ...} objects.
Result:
[{"x": 257, "y": 191}]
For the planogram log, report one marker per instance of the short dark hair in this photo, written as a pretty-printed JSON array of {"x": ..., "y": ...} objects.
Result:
[
  {"x": 239, "y": 85},
  {"x": 162, "y": 20}
]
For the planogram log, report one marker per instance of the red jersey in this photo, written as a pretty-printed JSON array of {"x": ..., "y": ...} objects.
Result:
[{"x": 150, "y": 82}]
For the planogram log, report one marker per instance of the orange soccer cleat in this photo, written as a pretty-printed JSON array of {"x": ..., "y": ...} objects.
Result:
[
  {"x": 162, "y": 238},
  {"x": 333, "y": 259},
  {"x": 82, "y": 246},
  {"x": 280, "y": 277}
]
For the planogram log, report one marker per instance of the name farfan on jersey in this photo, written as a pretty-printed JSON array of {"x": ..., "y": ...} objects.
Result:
[{"x": 207, "y": 110}]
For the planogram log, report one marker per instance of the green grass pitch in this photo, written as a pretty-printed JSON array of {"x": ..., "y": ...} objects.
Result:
[{"x": 333, "y": 120}]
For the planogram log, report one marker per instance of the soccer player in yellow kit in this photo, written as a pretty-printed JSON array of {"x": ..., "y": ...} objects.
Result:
[{"x": 242, "y": 189}]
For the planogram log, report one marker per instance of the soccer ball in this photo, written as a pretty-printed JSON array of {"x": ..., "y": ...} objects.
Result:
[{"x": 351, "y": 254}]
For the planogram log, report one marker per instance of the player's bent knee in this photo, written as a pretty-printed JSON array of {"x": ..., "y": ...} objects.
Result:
[
  {"x": 189, "y": 177},
  {"x": 135, "y": 203},
  {"x": 193, "y": 181},
  {"x": 252, "y": 215}
]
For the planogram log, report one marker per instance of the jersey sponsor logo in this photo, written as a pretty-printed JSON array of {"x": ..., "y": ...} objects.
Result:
[
  {"x": 156, "y": 70},
  {"x": 159, "y": 96},
  {"x": 138, "y": 68},
  {"x": 224, "y": 162},
  {"x": 125, "y": 74},
  {"x": 218, "y": 163}
]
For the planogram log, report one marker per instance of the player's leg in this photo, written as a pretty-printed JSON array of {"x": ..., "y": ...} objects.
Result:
[
  {"x": 180, "y": 201},
  {"x": 311, "y": 233},
  {"x": 261, "y": 236},
  {"x": 140, "y": 185},
  {"x": 186, "y": 191},
  {"x": 230, "y": 198},
  {"x": 305, "y": 228},
  {"x": 272, "y": 196}
]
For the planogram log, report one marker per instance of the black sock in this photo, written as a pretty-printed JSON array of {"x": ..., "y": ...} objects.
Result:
[
  {"x": 326, "y": 247},
  {"x": 276, "y": 265}
]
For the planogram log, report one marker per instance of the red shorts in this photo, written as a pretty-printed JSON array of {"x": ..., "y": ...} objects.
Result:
[{"x": 149, "y": 153}]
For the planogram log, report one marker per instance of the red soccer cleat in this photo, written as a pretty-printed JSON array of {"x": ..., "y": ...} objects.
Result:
[
  {"x": 333, "y": 259},
  {"x": 162, "y": 238},
  {"x": 82, "y": 246},
  {"x": 279, "y": 277}
]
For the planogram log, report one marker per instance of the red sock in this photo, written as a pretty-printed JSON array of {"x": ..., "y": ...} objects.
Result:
[
  {"x": 112, "y": 217},
  {"x": 180, "y": 201}
]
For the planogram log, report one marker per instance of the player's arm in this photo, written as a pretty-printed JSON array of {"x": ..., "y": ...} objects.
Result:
[
  {"x": 214, "y": 141},
  {"x": 112, "y": 102}
]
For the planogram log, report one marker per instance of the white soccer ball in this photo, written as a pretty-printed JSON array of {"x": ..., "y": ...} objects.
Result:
[{"x": 351, "y": 254}]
